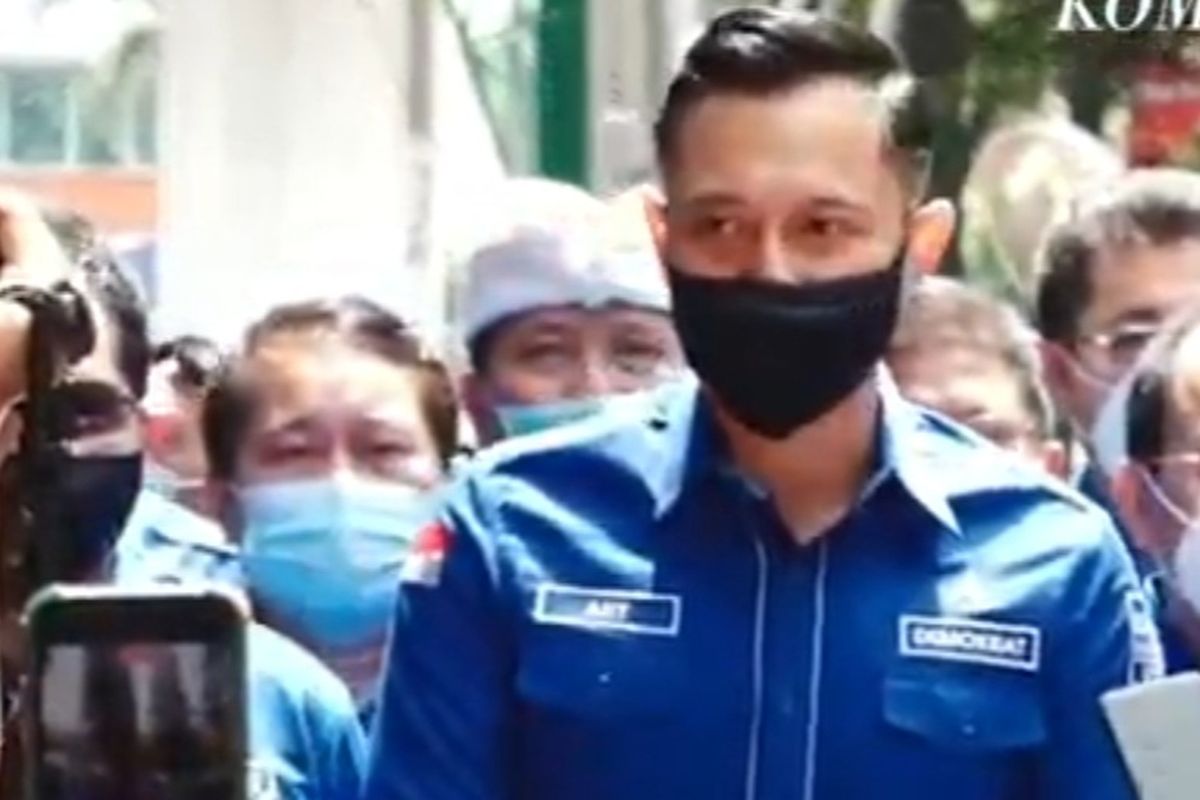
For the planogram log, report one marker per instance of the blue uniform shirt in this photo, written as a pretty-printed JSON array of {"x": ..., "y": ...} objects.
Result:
[
  {"x": 306, "y": 741},
  {"x": 165, "y": 541},
  {"x": 609, "y": 611}
]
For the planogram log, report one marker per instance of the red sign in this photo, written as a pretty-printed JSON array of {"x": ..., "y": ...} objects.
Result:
[{"x": 1165, "y": 115}]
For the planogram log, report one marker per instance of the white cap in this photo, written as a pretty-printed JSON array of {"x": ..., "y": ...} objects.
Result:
[{"x": 564, "y": 252}]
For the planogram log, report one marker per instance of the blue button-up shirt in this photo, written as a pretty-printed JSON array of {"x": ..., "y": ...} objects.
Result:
[
  {"x": 164, "y": 541},
  {"x": 610, "y": 611},
  {"x": 306, "y": 742}
]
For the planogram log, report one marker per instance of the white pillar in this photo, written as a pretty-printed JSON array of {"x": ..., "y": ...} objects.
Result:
[{"x": 285, "y": 171}]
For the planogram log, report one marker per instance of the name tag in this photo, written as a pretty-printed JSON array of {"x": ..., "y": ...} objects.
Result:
[
  {"x": 608, "y": 609},
  {"x": 971, "y": 641}
]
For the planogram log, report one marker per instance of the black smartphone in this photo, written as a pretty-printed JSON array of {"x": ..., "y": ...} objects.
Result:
[{"x": 136, "y": 696}]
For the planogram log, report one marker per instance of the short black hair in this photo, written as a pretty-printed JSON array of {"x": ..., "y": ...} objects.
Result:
[
  {"x": 760, "y": 52},
  {"x": 113, "y": 290},
  {"x": 1145, "y": 207},
  {"x": 231, "y": 404},
  {"x": 199, "y": 360},
  {"x": 943, "y": 312},
  {"x": 1148, "y": 407}
]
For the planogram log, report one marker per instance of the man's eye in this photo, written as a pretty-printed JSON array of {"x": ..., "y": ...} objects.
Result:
[
  {"x": 639, "y": 352},
  {"x": 651, "y": 349},
  {"x": 831, "y": 228},
  {"x": 543, "y": 351},
  {"x": 1130, "y": 341},
  {"x": 383, "y": 450},
  {"x": 289, "y": 451},
  {"x": 718, "y": 226}
]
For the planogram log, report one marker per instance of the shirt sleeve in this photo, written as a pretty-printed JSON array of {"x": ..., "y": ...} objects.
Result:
[
  {"x": 441, "y": 730},
  {"x": 1106, "y": 639},
  {"x": 306, "y": 739}
]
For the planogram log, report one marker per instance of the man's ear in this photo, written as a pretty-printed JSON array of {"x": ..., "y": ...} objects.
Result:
[
  {"x": 1058, "y": 376},
  {"x": 1055, "y": 460},
  {"x": 931, "y": 233},
  {"x": 656, "y": 218}
]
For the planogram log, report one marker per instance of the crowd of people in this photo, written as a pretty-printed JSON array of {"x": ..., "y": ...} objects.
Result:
[{"x": 734, "y": 496}]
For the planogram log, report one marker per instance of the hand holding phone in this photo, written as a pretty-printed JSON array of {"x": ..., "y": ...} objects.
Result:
[{"x": 136, "y": 696}]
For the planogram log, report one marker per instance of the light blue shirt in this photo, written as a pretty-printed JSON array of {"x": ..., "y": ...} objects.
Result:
[{"x": 164, "y": 541}]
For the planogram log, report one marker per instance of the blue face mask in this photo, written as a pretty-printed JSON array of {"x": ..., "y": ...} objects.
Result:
[
  {"x": 323, "y": 556},
  {"x": 518, "y": 420}
]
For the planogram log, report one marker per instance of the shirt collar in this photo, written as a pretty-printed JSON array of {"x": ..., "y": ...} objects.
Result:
[
  {"x": 904, "y": 448},
  {"x": 696, "y": 447},
  {"x": 155, "y": 517}
]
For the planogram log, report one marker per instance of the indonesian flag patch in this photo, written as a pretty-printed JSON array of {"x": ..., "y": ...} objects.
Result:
[{"x": 423, "y": 566}]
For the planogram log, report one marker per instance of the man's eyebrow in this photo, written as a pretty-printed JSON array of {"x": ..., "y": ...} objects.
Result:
[
  {"x": 711, "y": 201},
  {"x": 548, "y": 327},
  {"x": 831, "y": 202},
  {"x": 630, "y": 326},
  {"x": 1147, "y": 314},
  {"x": 717, "y": 200}
]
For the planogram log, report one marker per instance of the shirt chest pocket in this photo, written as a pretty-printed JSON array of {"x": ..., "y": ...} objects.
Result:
[
  {"x": 599, "y": 674},
  {"x": 966, "y": 711}
]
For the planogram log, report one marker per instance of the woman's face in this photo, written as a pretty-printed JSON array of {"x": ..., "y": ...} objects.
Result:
[{"x": 325, "y": 407}]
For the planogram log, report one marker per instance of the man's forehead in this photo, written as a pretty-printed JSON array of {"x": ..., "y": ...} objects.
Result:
[
  {"x": 954, "y": 365},
  {"x": 824, "y": 140},
  {"x": 1143, "y": 282},
  {"x": 1145, "y": 265}
]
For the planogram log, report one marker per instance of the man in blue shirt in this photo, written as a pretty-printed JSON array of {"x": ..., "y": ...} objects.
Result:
[
  {"x": 1158, "y": 488},
  {"x": 1126, "y": 260},
  {"x": 785, "y": 582}
]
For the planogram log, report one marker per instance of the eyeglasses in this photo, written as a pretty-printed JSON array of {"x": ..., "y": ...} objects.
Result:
[
  {"x": 1175, "y": 479},
  {"x": 1180, "y": 473},
  {"x": 1121, "y": 346}
]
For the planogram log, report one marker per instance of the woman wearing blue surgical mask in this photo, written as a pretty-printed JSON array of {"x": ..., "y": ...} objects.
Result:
[{"x": 330, "y": 436}]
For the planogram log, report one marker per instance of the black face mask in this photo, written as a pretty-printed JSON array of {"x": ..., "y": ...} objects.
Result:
[
  {"x": 98, "y": 492},
  {"x": 780, "y": 356}
]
